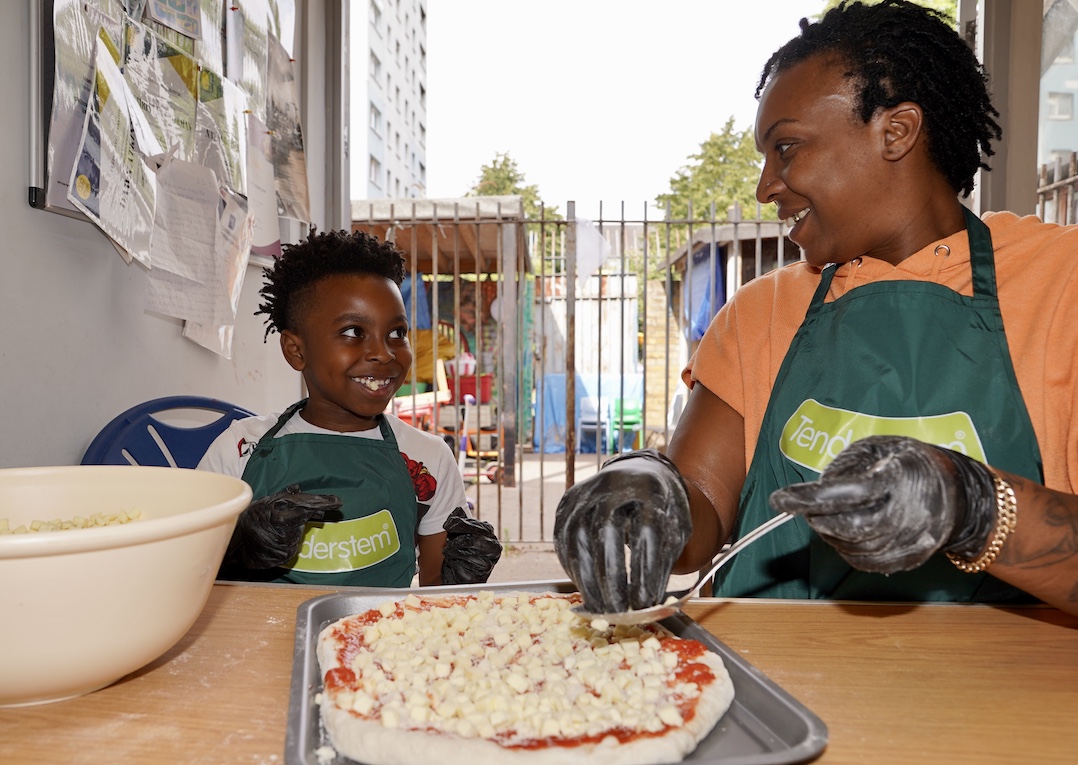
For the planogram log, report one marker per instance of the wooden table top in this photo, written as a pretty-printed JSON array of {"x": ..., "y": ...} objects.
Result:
[{"x": 894, "y": 684}]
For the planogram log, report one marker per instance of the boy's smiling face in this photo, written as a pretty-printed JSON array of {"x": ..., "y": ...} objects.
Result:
[{"x": 351, "y": 344}]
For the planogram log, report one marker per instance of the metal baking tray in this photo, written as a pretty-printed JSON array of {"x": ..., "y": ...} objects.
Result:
[{"x": 764, "y": 725}]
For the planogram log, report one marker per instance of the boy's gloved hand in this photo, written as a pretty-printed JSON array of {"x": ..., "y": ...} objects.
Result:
[
  {"x": 471, "y": 549},
  {"x": 640, "y": 500},
  {"x": 887, "y": 503},
  {"x": 269, "y": 532}
]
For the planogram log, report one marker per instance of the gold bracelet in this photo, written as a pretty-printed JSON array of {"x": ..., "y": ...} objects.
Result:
[{"x": 1006, "y": 521}]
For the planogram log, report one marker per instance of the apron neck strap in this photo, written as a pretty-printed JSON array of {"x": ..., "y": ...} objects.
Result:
[
  {"x": 825, "y": 284},
  {"x": 383, "y": 425},
  {"x": 285, "y": 417},
  {"x": 980, "y": 258},
  {"x": 980, "y": 255},
  {"x": 387, "y": 432}
]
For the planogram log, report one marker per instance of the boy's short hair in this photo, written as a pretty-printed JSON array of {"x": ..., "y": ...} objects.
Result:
[
  {"x": 320, "y": 255},
  {"x": 897, "y": 51}
]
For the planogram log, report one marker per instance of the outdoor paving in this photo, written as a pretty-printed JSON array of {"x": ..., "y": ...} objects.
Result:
[
  {"x": 527, "y": 563},
  {"x": 525, "y": 515}
]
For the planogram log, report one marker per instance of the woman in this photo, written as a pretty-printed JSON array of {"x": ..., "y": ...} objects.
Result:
[{"x": 931, "y": 329}]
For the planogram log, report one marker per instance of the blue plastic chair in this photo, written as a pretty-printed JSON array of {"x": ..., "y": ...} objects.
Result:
[
  {"x": 593, "y": 425},
  {"x": 140, "y": 437}
]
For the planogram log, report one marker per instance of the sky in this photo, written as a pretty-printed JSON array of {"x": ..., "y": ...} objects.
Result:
[{"x": 595, "y": 100}]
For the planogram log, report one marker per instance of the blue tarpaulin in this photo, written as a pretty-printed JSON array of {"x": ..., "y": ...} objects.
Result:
[
  {"x": 699, "y": 302},
  {"x": 422, "y": 302}
]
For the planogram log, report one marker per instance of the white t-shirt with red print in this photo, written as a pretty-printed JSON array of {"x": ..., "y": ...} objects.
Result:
[{"x": 434, "y": 469}]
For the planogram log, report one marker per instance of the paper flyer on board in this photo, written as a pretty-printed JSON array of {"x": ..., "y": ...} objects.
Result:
[
  {"x": 181, "y": 15},
  {"x": 234, "y": 231},
  {"x": 75, "y": 25},
  {"x": 247, "y": 35},
  {"x": 211, "y": 302},
  {"x": 185, "y": 221},
  {"x": 221, "y": 130},
  {"x": 209, "y": 48},
  {"x": 283, "y": 123},
  {"x": 164, "y": 81},
  {"x": 261, "y": 192},
  {"x": 110, "y": 182}
]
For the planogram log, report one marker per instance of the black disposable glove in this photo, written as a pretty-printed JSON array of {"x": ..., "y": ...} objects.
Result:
[
  {"x": 637, "y": 499},
  {"x": 269, "y": 532},
  {"x": 887, "y": 503},
  {"x": 471, "y": 549}
]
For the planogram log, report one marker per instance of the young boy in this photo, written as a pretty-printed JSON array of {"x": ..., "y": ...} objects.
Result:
[{"x": 345, "y": 493}]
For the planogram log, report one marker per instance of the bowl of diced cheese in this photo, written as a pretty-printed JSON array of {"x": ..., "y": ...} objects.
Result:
[{"x": 103, "y": 569}]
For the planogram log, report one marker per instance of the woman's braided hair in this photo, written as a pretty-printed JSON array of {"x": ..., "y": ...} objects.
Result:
[
  {"x": 323, "y": 254},
  {"x": 898, "y": 51}
]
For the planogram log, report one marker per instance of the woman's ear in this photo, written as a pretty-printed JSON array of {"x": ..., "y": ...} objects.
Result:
[
  {"x": 902, "y": 126},
  {"x": 292, "y": 348}
]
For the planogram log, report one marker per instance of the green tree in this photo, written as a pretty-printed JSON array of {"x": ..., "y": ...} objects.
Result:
[
  {"x": 724, "y": 171},
  {"x": 948, "y": 8},
  {"x": 502, "y": 177}
]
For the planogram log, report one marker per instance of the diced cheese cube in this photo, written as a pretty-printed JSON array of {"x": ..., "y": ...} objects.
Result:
[
  {"x": 550, "y": 728},
  {"x": 391, "y": 718},
  {"x": 670, "y": 715},
  {"x": 517, "y": 682},
  {"x": 362, "y": 703}
]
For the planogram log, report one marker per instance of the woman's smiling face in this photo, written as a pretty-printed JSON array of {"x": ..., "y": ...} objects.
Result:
[
  {"x": 352, "y": 348},
  {"x": 822, "y": 164}
]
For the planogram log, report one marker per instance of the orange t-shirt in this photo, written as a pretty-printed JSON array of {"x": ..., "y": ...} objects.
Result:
[{"x": 1037, "y": 283}]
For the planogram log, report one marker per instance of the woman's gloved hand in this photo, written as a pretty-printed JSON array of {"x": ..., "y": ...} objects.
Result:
[
  {"x": 471, "y": 549},
  {"x": 269, "y": 532},
  {"x": 887, "y": 503},
  {"x": 637, "y": 499}
]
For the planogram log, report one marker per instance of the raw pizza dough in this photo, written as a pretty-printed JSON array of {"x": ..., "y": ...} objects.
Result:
[{"x": 485, "y": 678}]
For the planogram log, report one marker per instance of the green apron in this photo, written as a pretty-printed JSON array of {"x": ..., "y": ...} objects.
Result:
[
  {"x": 904, "y": 358},
  {"x": 373, "y": 545}
]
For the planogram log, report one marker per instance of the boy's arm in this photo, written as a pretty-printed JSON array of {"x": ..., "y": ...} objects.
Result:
[{"x": 430, "y": 558}]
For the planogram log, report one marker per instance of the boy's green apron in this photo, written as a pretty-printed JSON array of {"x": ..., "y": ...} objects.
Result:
[
  {"x": 889, "y": 358},
  {"x": 373, "y": 544}
]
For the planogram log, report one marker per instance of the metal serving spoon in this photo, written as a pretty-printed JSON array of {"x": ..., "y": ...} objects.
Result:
[{"x": 673, "y": 601}]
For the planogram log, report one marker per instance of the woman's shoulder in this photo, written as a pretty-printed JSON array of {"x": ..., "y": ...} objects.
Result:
[
  {"x": 1029, "y": 251},
  {"x": 1030, "y": 233},
  {"x": 778, "y": 285}
]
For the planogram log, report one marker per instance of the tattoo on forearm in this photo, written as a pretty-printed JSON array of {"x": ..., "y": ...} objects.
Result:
[{"x": 1048, "y": 522}]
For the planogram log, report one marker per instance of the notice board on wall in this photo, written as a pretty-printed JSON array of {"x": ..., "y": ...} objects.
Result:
[{"x": 174, "y": 127}]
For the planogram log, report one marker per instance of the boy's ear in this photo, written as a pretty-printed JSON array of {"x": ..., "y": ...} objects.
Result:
[
  {"x": 292, "y": 348},
  {"x": 902, "y": 126}
]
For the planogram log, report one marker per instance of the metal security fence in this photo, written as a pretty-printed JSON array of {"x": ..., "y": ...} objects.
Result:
[
  {"x": 545, "y": 344},
  {"x": 1056, "y": 198}
]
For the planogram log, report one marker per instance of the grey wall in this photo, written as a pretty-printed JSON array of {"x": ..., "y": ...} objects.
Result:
[{"x": 77, "y": 347}]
